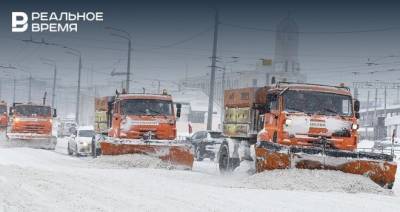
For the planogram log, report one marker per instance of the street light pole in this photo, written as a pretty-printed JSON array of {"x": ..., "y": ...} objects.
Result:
[
  {"x": 127, "y": 37},
  {"x": 212, "y": 79},
  {"x": 78, "y": 92},
  {"x": 53, "y": 92},
  {"x": 222, "y": 96}
]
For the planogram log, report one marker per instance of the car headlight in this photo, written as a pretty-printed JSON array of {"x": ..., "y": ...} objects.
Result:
[
  {"x": 288, "y": 122},
  {"x": 83, "y": 143},
  {"x": 354, "y": 126}
]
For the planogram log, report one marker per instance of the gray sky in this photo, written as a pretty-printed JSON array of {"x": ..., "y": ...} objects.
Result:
[{"x": 170, "y": 37}]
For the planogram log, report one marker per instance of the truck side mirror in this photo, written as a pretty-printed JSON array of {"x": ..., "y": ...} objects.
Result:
[
  {"x": 178, "y": 110},
  {"x": 356, "y": 105},
  {"x": 357, "y": 115},
  {"x": 54, "y": 113}
]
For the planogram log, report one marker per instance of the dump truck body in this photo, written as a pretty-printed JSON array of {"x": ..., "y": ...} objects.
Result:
[
  {"x": 302, "y": 126},
  {"x": 31, "y": 126},
  {"x": 141, "y": 124}
]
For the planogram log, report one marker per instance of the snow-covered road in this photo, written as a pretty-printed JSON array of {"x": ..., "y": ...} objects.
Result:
[{"x": 40, "y": 180}]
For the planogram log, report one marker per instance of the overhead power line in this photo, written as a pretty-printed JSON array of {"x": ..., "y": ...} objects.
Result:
[{"x": 208, "y": 29}]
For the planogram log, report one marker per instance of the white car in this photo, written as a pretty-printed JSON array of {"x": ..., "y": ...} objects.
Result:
[{"x": 80, "y": 142}]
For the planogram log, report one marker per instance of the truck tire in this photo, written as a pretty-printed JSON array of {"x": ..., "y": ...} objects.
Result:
[{"x": 225, "y": 162}]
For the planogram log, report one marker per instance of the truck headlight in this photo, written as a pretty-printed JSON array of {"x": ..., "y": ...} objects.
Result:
[
  {"x": 288, "y": 122},
  {"x": 354, "y": 126}
]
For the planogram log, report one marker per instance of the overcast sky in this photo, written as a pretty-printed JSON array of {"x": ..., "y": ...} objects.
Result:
[{"x": 336, "y": 39}]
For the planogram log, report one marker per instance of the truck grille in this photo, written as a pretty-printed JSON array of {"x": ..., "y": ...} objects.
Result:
[{"x": 32, "y": 128}]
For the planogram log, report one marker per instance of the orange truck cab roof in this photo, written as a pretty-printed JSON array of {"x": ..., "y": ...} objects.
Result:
[
  {"x": 145, "y": 96},
  {"x": 341, "y": 90}
]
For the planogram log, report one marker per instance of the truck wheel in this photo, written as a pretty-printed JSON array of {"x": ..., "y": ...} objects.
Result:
[
  {"x": 224, "y": 161},
  {"x": 69, "y": 150}
]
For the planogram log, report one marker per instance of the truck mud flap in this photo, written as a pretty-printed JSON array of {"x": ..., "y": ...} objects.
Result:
[
  {"x": 177, "y": 155},
  {"x": 380, "y": 168}
]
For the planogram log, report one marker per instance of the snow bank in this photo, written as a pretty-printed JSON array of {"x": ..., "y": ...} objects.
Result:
[
  {"x": 313, "y": 180},
  {"x": 365, "y": 144},
  {"x": 129, "y": 161}
]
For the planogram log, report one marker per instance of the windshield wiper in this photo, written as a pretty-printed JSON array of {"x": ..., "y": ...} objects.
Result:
[
  {"x": 157, "y": 113},
  {"x": 330, "y": 110}
]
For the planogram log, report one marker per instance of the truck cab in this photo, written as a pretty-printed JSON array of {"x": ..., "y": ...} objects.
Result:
[
  {"x": 301, "y": 114},
  {"x": 32, "y": 119},
  {"x": 143, "y": 116}
]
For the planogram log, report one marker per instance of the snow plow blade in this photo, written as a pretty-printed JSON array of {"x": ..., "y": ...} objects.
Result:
[
  {"x": 380, "y": 168},
  {"x": 178, "y": 155},
  {"x": 36, "y": 141}
]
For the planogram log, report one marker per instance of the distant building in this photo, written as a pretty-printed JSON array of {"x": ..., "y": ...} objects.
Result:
[
  {"x": 379, "y": 124},
  {"x": 284, "y": 67}
]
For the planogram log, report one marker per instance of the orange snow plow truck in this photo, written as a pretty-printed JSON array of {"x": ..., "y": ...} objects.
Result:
[
  {"x": 31, "y": 126},
  {"x": 3, "y": 116},
  {"x": 141, "y": 123},
  {"x": 293, "y": 125}
]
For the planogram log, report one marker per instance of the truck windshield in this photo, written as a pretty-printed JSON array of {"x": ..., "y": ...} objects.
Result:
[
  {"x": 311, "y": 102},
  {"x": 3, "y": 109},
  {"x": 32, "y": 110},
  {"x": 146, "y": 107},
  {"x": 86, "y": 133}
]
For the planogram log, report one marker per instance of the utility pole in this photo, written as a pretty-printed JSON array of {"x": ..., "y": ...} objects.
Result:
[
  {"x": 78, "y": 92},
  {"x": 53, "y": 92},
  {"x": 376, "y": 102},
  {"x": 385, "y": 95},
  {"x": 128, "y": 67},
  {"x": 159, "y": 87},
  {"x": 213, "y": 66},
  {"x": 223, "y": 92},
  {"x": 367, "y": 116},
  {"x": 14, "y": 88}
]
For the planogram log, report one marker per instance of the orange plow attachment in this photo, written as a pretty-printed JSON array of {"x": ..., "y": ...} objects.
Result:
[
  {"x": 380, "y": 168},
  {"x": 176, "y": 154}
]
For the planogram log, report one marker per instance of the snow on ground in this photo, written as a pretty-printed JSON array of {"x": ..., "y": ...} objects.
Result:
[
  {"x": 40, "y": 180},
  {"x": 365, "y": 144}
]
